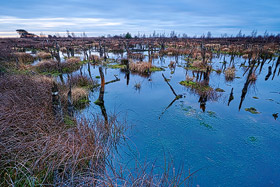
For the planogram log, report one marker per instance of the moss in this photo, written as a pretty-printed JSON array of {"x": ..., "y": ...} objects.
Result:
[
  {"x": 219, "y": 90},
  {"x": 83, "y": 101},
  {"x": 196, "y": 86},
  {"x": 252, "y": 139},
  {"x": 211, "y": 113},
  {"x": 153, "y": 69},
  {"x": 69, "y": 121},
  {"x": 53, "y": 73},
  {"x": 252, "y": 110},
  {"x": 117, "y": 66},
  {"x": 206, "y": 125},
  {"x": 195, "y": 68},
  {"x": 98, "y": 102}
]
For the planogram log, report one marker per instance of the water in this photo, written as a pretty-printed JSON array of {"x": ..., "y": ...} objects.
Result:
[{"x": 232, "y": 147}]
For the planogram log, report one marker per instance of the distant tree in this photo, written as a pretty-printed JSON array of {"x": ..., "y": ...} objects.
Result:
[
  {"x": 254, "y": 33},
  {"x": 203, "y": 35},
  {"x": 173, "y": 34},
  {"x": 209, "y": 35},
  {"x": 224, "y": 35},
  {"x": 239, "y": 35},
  {"x": 128, "y": 35},
  {"x": 184, "y": 35},
  {"x": 266, "y": 34},
  {"x": 154, "y": 34}
]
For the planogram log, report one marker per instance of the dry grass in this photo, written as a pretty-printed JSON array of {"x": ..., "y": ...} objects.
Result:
[
  {"x": 230, "y": 73},
  {"x": 140, "y": 67},
  {"x": 198, "y": 64},
  {"x": 44, "y": 55},
  {"x": 81, "y": 81},
  {"x": 47, "y": 66},
  {"x": 79, "y": 94},
  {"x": 137, "y": 56},
  {"x": 72, "y": 64},
  {"x": 94, "y": 58},
  {"x": 35, "y": 148},
  {"x": 24, "y": 58},
  {"x": 73, "y": 60}
]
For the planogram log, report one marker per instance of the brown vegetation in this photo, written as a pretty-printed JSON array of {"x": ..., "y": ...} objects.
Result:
[
  {"x": 24, "y": 58},
  {"x": 44, "y": 55},
  {"x": 230, "y": 73},
  {"x": 48, "y": 66},
  {"x": 140, "y": 67}
]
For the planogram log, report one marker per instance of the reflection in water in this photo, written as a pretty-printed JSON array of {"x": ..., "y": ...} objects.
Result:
[
  {"x": 230, "y": 96},
  {"x": 276, "y": 66},
  {"x": 245, "y": 88},
  {"x": 173, "y": 91},
  {"x": 269, "y": 73}
]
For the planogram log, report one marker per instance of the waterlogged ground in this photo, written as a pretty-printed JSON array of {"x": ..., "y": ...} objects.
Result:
[{"x": 230, "y": 146}]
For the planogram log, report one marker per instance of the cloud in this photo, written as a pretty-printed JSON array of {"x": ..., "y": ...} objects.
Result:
[{"x": 116, "y": 17}]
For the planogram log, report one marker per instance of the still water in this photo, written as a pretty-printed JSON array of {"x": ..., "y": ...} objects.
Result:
[{"x": 231, "y": 146}]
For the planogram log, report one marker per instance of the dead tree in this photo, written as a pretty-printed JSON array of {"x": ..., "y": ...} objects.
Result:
[{"x": 56, "y": 103}]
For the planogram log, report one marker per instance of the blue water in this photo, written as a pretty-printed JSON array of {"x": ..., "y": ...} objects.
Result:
[{"x": 232, "y": 147}]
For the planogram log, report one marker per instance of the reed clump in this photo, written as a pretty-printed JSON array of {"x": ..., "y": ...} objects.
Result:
[
  {"x": 44, "y": 55},
  {"x": 24, "y": 58},
  {"x": 230, "y": 73},
  {"x": 82, "y": 81},
  {"x": 71, "y": 64},
  {"x": 47, "y": 66}
]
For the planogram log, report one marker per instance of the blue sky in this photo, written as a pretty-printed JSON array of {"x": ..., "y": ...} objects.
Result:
[{"x": 97, "y": 18}]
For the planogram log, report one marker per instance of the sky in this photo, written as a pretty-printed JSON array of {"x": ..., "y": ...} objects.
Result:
[{"x": 103, "y": 17}]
